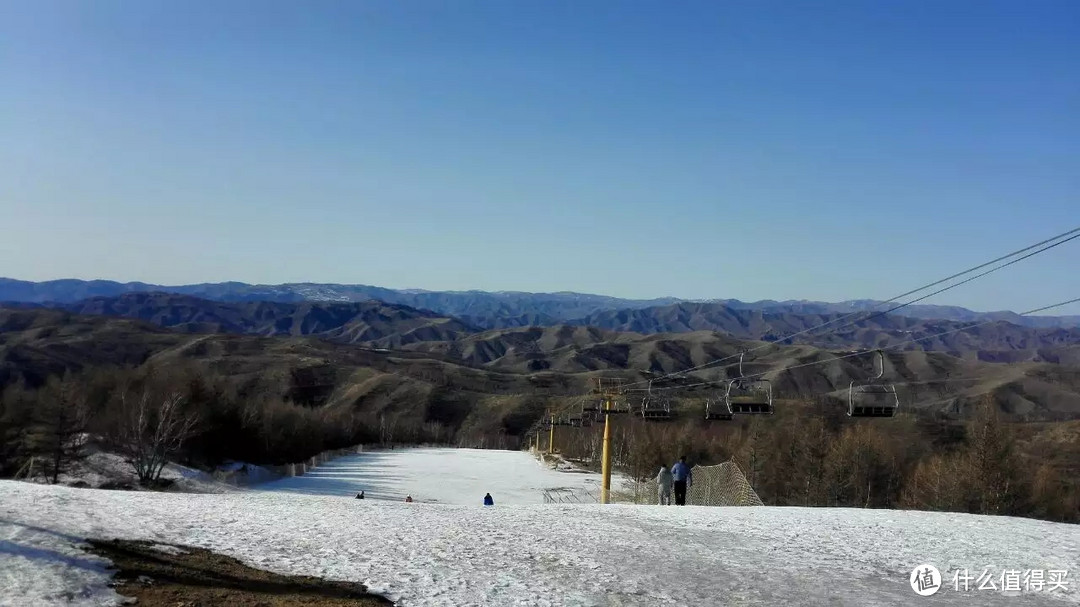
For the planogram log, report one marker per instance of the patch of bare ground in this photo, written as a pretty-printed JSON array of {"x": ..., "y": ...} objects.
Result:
[{"x": 179, "y": 576}]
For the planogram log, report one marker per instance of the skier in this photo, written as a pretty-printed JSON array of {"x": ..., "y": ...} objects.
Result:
[
  {"x": 683, "y": 479},
  {"x": 663, "y": 486},
  {"x": 360, "y": 495},
  {"x": 488, "y": 500}
]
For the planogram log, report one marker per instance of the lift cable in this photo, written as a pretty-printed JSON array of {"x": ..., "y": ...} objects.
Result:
[
  {"x": 892, "y": 347},
  {"x": 1058, "y": 240}
]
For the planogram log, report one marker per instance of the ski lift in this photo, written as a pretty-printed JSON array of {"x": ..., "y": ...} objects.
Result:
[
  {"x": 717, "y": 409},
  {"x": 606, "y": 386},
  {"x": 592, "y": 411},
  {"x": 874, "y": 397},
  {"x": 587, "y": 419},
  {"x": 749, "y": 395},
  {"x": 654, "y": 406},
  {"x": 616, "y": 407},
  {"x": 611, "y": 400}
]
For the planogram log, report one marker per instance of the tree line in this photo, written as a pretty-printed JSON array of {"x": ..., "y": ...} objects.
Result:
[
  {"x": 190, "y": 413},
  {"x": 810, "y": 454},
  {"x": 151, "y": 415}
]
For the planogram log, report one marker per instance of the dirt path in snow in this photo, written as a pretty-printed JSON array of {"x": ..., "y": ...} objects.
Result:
[{"x": 176, "y": 576}]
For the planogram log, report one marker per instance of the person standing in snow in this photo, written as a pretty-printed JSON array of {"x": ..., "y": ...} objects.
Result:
[
  {"x": 488, "y": 500},
  {"x": 683, "y": 479},
  {"x": 663, "y": 486}
]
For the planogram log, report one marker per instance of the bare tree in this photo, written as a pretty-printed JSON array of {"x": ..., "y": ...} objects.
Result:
[
  {"x": 994, "y": 466},
  {"x": 387, "y": 427},
  {"x": 938, "y": 482},
  {"x": 16, "y": 416},
  {"x": 153, "y": 428},
  {"x": 57, "y": 435}
]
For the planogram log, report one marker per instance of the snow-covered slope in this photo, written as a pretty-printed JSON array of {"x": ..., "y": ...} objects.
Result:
[
  {"x": 438, "y": 554},
  {"x": 445, "y": 476},
  {"x": 101, "y": 468}
]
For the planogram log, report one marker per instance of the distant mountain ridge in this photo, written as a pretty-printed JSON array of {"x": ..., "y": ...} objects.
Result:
[
  {"x": 371, "y": 323},
  {"x": 507, "y": 376},
  {"x": 482, "y": 308},
  {"x": 382, "y": 325},
  {"x": 928, "y": 312},
  {"x": 987, "y": 339},
  {"x": 488, "y": 310}
]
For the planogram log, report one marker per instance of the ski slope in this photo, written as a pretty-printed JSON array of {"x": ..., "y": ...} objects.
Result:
[
  {"x": 441, "y": 554},
  {"x": 445, "y": 476}
]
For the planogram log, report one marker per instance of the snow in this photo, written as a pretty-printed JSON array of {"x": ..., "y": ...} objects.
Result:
[
  {"x": 442, "y": 554},
  {"x": 445, "y": 476},
  {"x": 39, "y": 566},
  {"x": 100, "y": 468},
  {"x": 244, "y": 473},
  {"x": 167, "y": 549}
]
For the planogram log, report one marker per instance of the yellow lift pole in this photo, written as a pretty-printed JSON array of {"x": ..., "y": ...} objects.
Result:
[
  {"x": 605, "y": 466},
  {"x": 608, "y": 391}
]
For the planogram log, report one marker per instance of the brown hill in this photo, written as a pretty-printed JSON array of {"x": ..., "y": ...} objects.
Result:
[
  {"x": 925, "y": 380},
  {"x": 369, "y": 322},
  {"x": 505, "y": 380},
  {"x": 389, "y": 325},
  {"x": 985, "y": 340}
]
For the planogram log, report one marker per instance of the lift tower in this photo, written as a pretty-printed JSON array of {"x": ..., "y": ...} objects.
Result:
[{"x": 610, "y": 392}]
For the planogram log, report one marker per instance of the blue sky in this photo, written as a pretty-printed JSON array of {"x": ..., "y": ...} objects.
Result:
[{"x": 831, "y": 150}]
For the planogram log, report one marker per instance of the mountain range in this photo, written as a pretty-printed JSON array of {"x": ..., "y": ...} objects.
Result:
[
  {"x": 483, "y": 309},
  {"x": 379, "y": 324},
  {"x": 376, "y": 353},
  {"x": 369, "y": 322},
  {"x": 517, "y": 372}
]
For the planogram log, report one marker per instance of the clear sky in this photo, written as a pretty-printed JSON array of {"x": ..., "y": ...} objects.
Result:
[{"x": 748, "y": 149}]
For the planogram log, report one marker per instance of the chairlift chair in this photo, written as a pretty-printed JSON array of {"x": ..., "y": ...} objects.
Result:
[
  {"x": 717, "y": 409},
  {"x": 874, "y": 397},
  {"x": 610, "y": 401},
  {"x": 655, "y": 407},
  {"x": 617, "y": 407},
  {"x": 746, "y": 395},
  {"x": 587, "y": 417},
  {"x": 580, "y": 420},
  {"x": 592, "y": 411}
]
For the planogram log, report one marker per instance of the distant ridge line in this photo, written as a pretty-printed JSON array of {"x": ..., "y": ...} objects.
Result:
[{"x": 483, "y": 308}]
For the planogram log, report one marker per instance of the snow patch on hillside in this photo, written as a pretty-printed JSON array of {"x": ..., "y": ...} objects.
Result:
[{"x": 109, "y": 470}]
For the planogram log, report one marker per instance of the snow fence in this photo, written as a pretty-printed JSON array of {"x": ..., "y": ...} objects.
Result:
[
  {"x": 249, "y": 474},
  {"x": 720, "y": 485}
]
